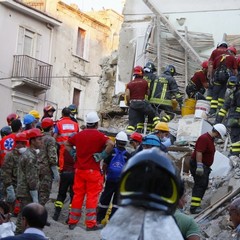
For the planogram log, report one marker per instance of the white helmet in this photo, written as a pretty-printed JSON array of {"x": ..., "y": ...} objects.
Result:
[
  {"x": 92, "y": 117},
  {"x": 221, "y": 129},
  {"x": 122, "y": 136}
]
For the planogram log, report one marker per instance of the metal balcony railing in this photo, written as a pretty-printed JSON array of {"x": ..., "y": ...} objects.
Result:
[{"x": 32, "y": 69}]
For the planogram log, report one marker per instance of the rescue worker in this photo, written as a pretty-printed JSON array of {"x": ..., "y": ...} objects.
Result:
[
  {"x": 36, "y": 115},
  {"x": 163, "y": 90},
  {"x": 198, "y": 83},
  {"x": 150, "y": 141},
  {"x": 5, "y": 131},
  {"x": 135, "y": 141},
  {"x": 11, "y": 117},
  {"x": 200, "y": 164},
  {"x": 113, "y": 166},
  {"x": 48, "y": 111},
  {"x": 74, "y": 110},
  {"x": 231, "y": 110},
  {"x": 63, "y": 129},
  {"x": 149, "y": 72},
  {"x": 10, "y": 169},
  {"x": 29, "y": 121},
  {"x": 138, "y": 106},
  {"x": 28, "y": 174},
  {"x": 221, "y": 49},
  {"x": 66, "y": 182},
  {"x": 92, "y": 146},
  {"x": 223, "y": 66},
  {"x": 149, "y": 193},
  {"x": 48, "y": 159}
]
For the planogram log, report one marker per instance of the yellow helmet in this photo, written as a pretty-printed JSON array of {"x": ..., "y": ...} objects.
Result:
[
  {"x": 162, "y": 126},
  {"x": 35, "y": 113}
]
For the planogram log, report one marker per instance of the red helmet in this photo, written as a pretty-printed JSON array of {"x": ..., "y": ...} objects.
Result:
[
  {"x": 232, "y": 49},
  {"x": 136, "y": 137},
  {"x": 49, "y": 108},
  {"x": 21, "y": 137},
  {"x": 47, "y": 122},
  {"x": 205, "y": 64},
  {"x": 11, "y": 117},
  {"x": 138, "y": 70},
  {"x": 34, "y": 132}
]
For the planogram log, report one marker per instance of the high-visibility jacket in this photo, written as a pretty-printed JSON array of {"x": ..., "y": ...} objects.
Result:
[
  {"x": 163, "y": 89},
  {"x": 66, "y": 127}
]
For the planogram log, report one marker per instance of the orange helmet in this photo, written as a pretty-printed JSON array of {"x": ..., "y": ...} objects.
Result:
[
  {"x": 204, "y": 64},
  {"x": 138, "y": 70},
  {"x": 11, "y": 117},
  {"x": 34, "y": 132},
  {"x": 47, "y": 122},
  {"x": 136, "y": 137},
  {"x": 49, "y": 108},
  {"x": 21, "y": 137},
  {"x": 232, "y": 49}
]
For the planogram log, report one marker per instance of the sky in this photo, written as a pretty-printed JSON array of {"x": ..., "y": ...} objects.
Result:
[{"x": 88, "y": 5}]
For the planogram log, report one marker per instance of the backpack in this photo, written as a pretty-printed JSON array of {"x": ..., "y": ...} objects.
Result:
[
  {"x": 116, "y": 165},
  {"x": 222, "y": 73}
]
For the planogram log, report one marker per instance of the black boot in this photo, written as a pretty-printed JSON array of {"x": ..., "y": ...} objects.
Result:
[{"x": 56, "y": 213}]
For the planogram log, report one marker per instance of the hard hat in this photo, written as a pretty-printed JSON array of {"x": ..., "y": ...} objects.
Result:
[
  {"x": 204, "y": 64},
  {"x": 92, "y": 117},
  {"x": 152, "y": 140},
  {"x": 138, "y": 70},
  {"x": 222, "y": 44},
  {"x": 11, "y": 117},
  {"x": 28, "y": 119},
  {"x": 150, "y": 180},
  {"x": 149, "y": 67},
  {"x": 136, "y": 137},
  {"x": 49, "y": 108},
  {"x": 21, "y": 137},
  {"x": 232, "y": 82},
  {"x": 232, "y": 49},
  {"x": 73, "y": 108},
  {"x": 5, "y": 131},
  {"x": 35, "y": 113},
  {"x": 171, "y": 69},
  {"x": 162, "y": 126},
  {"x": 122, "y": 136},
  {"x": 34, "y": 132},
  {"x": 221, "y": 129},
  {"x": 46, "y": 123}
]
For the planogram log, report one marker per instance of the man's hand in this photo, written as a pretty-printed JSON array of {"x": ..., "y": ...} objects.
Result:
[
  {"x": 55, "y": 173},
  {"x": 11, "y": 197},
  {"x": 34, "y": 195},
  {"x": 199, "y": 169},
  {"x": 100, "y": 156}
]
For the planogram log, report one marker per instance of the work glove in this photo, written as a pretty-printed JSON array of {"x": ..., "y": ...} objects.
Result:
[
  {"x": 199, "y": 169},
  {"x": 34, "y": 195},
  {"x": 55, "y": 173},
  {"x": 11, "y": 197},
  {"x": 100, "y": 156}
]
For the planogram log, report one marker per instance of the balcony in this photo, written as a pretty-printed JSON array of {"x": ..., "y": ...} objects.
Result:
[{"x": 32, "y": 73}]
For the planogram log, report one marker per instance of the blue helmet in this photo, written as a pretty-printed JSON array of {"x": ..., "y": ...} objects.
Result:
[
  {"x": 28, "y": 119},
  {"x": 170, "y": 69},
  {"x": 150, "y": 180},
  {"x": 152, "y": 140}
]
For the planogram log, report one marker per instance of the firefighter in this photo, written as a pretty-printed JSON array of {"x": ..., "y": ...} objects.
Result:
[
  {"x": 138, "y": 106},
  {"x": 231, "y": 110},
  {"x": 163, "y": 90},
  {"x": 92, "y": 147},
  {"x": 74, "y": 111},
  {"x": 135, "y": 141},
  {"x": 48, "y": 111},
  {"x": 149, "y": 193},
  {"x": 200, "y": 164},
  {"x": 198, "y": 83},
  {"x": 149, "y": 72},
  {"x": 12, "y": 117},
  {"x": 223, "y": 66},
  {"x": 63, "y": 129}
]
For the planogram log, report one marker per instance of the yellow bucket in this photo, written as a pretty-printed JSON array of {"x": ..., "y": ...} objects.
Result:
[
  {"x": 187, "y": 110},
  {"x": 190, "y": 102}
]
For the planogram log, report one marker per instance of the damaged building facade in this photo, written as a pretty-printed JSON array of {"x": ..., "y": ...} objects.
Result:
[{"x": 52, "y": 55}]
